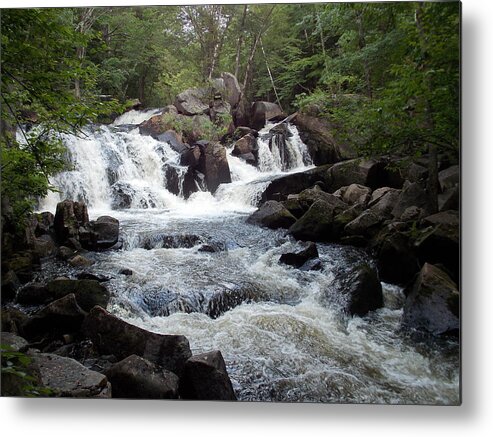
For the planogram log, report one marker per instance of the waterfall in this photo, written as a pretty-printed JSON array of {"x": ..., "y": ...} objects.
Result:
[{"x": 115, "y": 167}]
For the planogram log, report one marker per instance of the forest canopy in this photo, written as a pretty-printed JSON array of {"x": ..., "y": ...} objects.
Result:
[{"x": 386, "y": 74}]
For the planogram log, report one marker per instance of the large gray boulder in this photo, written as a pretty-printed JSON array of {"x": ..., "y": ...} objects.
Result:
[
  {"x": 354, "y": 194},
  {"x": 88, "y": 292},
  {"x": 412, "y": 195},
  {"x": 261, "y": 112},
  {"x": 213, "y": 163},
  {"x": 205, "y": 378},
  {"x": 432, "y": 303},
  {"x": 193, "y": 101},
  {"x": 311, "y": 195},
  {"x": 100, "y": 234},
  {"x": 272, "y": 215},
  {"x": 366, "y": 224},
  {"x": 137, "y": 378},
  {"x": 65, "y": 377},
  {"x": 112, "y": 335},
  {"x": 449, "y": 177},
  {"x": 232, "y": 89}
]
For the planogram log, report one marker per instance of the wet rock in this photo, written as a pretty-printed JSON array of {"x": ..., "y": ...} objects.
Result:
[
  {"x": 137, "y": 378},
  {"x": 88, "y": 293},
  {"x": 13, "y": 319},
  {"x": 214, "y": 165},
  {"x": 316, "y": 133},
  {"x": 102, "y": 233},
  {"x": 80, "y": 261},
  {"x": 312, "y": 265},
  {"x": 397, "y": 263},
  {"x": 65, "y": 253},
  {"x": 33, "y": 294},
  {"x": 68, "y": 378},
  {"x": 246, "y": 144},
  {"x": 10, "y": 285},
  {"x": 261, "y": 112},
  {"x": 205, "y": 378},
  {"x": 293, "y": 205},
  {"x": 362, "y": 289},
  {"x": 69, "y": 217},
  {"x": 412, "y": 195},
  {"x": 45, "y": 223},
  {"x": 192, "y": 101},
  {"x": 191, "y": 157},
  {"x": 299, "y": 258},
  {"x": 158, "y": 240},
  {"x": 93, "y": 276},
  {"x": 112, "y": 335},
  {"x": 316, "y": 223},
  {"x": 44, "y": 246},
  {"x": 432, "y": 303},
  {"x": 126, "y": 272},
  {"x": 59, "y": 317},
  {"x": 272, "y": 215},
  {"x": 449, "y": 178},
  {"x": 228, "y": 298},
  {"x": 174, "y": 139}
]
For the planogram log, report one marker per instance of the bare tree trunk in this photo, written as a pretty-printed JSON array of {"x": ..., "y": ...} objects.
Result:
[
  {"x": 270, "y": 75},
  {"x": 86, "y": 20},
  {"x": 240, "y": 41}
]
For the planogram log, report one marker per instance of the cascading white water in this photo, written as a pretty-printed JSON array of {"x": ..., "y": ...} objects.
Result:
[{"x": 280, "y": 329}]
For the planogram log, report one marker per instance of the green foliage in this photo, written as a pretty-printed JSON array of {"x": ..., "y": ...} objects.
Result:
[{"x": 15, "y": 367}]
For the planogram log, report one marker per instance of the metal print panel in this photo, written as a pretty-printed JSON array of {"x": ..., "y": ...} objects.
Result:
[{"x": 232, "y": 202}]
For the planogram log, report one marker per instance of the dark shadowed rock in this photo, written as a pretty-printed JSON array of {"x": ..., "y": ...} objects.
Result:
[
  {"x": 362, "y": 289},
  {"x": 315, "y": 224},
  {"x": 449, "y": 199},
  {"x": 69, "y": 217},
  {"x": 44, "y": 246},
  {"x": 10, "y": 285},
  {"x": 191, "y": 157},
  {"x": 205, "y": 378},
  {"x": 273, "y": 215},
  {"x": 33, "y": 294},
  {"x": 316, "y": 133},
  {"x": 103, "y": 233},
  {"x": 68, "y": 378},
  {"x": 412, "y": 195},
  {"x": 343, "y": 218},
  {"x": 214, "y": 165},
  {"x": 365, "y": 224},
  {"x": 80, "y": 261},
  {"x": 293, "y": 205},
  {"x": 137, "y": 378},
  {"x": 432, "y": 303},
  {"x": 246, "y": 144},
  {"x": 262, "y": 112},
  {"x": 297, "y": 259},
  {"x": 88, "y": 293},
  {"x": 397, "y": 263},
  {"x": 112, "y": 335},
  {"x": 59, "y": 317},
  {"x": 174, "y": 139}
]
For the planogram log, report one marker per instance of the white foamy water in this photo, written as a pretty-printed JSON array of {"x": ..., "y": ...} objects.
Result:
[{"x": 281, "y": 330}]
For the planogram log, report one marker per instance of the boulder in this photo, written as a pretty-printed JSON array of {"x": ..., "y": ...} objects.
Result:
[
  {"x": 33, "y": 294},
  {"x": 112, "y": 335},
  {"x": 261, "y": 112},
  {"x": 13, "y": 319},
  {"x": 343, "y": 218},
  {"x": 246, "y": 144},
  {"x": 449, "y": 199},
  {"x": 66, "y": 377},
  {"x": 193, "y": 101},
  {"x": 102, "y": 233},
  {"x": 137, "y": 378},
  {"x": 155, "y": 126},
  {"x": 272, "y": 215},
  {"x": 174, "y": 139},
  {"x": 361, "y": 288},
  {"x": 16, "y": 343},
  {"x": 44, "y": 246},
  {"x": 383, "y": 204},
  {"x": 205, "y": 378},
  {"x": 57, "y": 318},
  {"x": 311, "y": 195},
  {"x": 65, "y": 253},
  {"x": 449, "y": 178},
  {"x": 354, "y": 194},
  {"x": 69, "y": 217},
  {"x": 396, "y": 261},
  {"x": 432, "y": 303},
  {"x": 412, "y": 195},
  {"x": 214, "y": 165},
  {"x": 10, "y": 285},
  {"x": 80, "y": 261},
  {"x": 22, "y": 264},
  {"x": 316, "y": 224},
  {"x": 365, "y": 224},
  {"x": 88, "y": 292},
  {"x": 299, "y": 258},
  {"x": 232, "y": 89},
  {"x": 316, "y": 133},
  {"x": 191, "y": 157},
  {"x": 293, "y": 205}
]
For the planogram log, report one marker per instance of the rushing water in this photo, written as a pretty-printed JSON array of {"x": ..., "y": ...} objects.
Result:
[{"x": 281, "y": 330}]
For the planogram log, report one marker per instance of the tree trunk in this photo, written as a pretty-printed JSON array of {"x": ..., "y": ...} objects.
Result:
[{"x": 240, "y": 41}]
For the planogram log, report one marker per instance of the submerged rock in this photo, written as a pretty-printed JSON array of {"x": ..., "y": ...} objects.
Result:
[{"x": 298, "y": 259}]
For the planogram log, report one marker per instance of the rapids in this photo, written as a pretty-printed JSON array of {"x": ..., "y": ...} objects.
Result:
[{"x": 200, "y": 270}]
